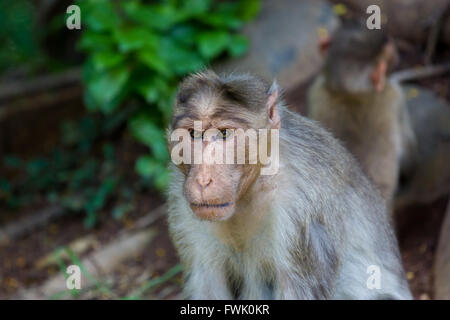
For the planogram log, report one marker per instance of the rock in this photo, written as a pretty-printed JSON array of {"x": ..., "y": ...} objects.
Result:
[
  {"x": 430, "y": 176},
  {"x": 284, "y": 41},
  {"x": 78, "y": 246},
  {"x": 442, "y": 261}
]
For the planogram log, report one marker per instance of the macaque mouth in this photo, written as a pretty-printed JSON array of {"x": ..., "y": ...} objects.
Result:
[{"x": 208, "y": 205}]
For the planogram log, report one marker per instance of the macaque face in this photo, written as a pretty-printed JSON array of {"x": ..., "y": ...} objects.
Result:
[
  {"x": 213, "y": 119},
  {"x": 357, "y": 59},
  {"x": 212, "y": 189}
]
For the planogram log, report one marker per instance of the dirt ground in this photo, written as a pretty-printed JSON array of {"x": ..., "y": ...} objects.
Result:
[
  {"x": 417, "y": 237},
  {"x": 18, "y": 267}
]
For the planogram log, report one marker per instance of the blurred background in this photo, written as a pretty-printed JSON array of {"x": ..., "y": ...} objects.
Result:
[{"x": 83, "y": 114}]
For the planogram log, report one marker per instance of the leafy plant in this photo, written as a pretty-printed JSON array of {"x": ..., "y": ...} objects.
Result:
[
  {"x": 19, "y": 39},
  {"x": 81, "y": 175},
  {"x": 138, "y": 51},
  {"x": 97, "y": 285}
]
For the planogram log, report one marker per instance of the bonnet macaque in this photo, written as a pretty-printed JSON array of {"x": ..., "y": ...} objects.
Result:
[
  {"x": 354, "y": 99},
  {"x": 315, "y": 228}
]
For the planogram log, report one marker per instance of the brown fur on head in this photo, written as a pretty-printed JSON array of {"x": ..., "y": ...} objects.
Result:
[
  {"x": 232, "y": 102},
  {"x": 358, "y": 58}
]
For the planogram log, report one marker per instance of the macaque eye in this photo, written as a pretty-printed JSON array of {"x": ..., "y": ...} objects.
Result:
[
  {"x": 195, "y": 134},
  {"x": 223, "y": 134}
]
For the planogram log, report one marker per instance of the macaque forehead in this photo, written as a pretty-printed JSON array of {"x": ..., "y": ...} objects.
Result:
[
  {"x": 220, "y": 102},
  {"x": 357, "y": 44}
]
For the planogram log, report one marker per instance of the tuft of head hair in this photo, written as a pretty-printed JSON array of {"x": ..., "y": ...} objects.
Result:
[
  {"x": 354, "y": 41},
  {"x": 245, "y": 90}
]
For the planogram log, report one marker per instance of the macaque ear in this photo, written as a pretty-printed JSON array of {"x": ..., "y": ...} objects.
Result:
[
  {"x": 378, "y": 75},
  {"x": 324, "y": 44},
  {"x": 387, "y": 60},
  {"x": 272, "y": 106}
]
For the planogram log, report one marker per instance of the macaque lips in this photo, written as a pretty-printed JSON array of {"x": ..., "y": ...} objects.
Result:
[
  {"x": 208, "y": 205},
  {"x": 208, "y": 211}
]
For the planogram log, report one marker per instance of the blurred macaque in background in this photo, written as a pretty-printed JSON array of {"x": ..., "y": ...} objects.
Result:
[
  {"x": 354, "y": 98},
  {"x": 423, "y": 180}
]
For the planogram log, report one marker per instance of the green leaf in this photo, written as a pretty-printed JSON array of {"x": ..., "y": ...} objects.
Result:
[
  {"x": 100, "y": 16},
  {"x": 221, "y": 20},
  {"x": 94, "y": 41},
  {"x": 147, "y": 132},
  {"x": 211, "y": 44},
  {"x": 152, "y": 60},
  {"x": 162, "y": 179},
  {"x": 195, "y": 7},
  {"x": 106, "y": 60},
  {"x": 182, "y": 60},
  {"x": 89, "y": 101},
  {"x": 98, "y": 200},
  {"x": 90, "y": 220},
  {"x": 184, "y": 34},
  {"x": 135, "y": 38},
  {"x": 105, "y": 90},
  {"x": 154, "y": 89},
  {"x": 160, "y": 17},
  {"x": 146, "y": 166},
  {"x": 150, "y": 88},
  {"x": 248, "y": 9},
  {"x": 238, "y": 45},
  {"x": 83, "y": 174},
  {"x": 165, "y": 105}
]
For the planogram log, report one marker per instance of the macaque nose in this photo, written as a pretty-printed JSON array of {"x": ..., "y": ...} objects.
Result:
[{"x": 203, "y": 180}]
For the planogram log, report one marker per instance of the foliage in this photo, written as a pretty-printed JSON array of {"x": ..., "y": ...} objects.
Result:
[
  {"x": 136, "y": 52},
  {"x": 80, "y": 175},
  {"x": 139, "y": 50},
  {"x": 18, "y": 38}
]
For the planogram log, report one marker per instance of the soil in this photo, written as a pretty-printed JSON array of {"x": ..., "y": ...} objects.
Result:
[
  {"x": 18, "y": 263},
  {"x": 418, "y": 234}
]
